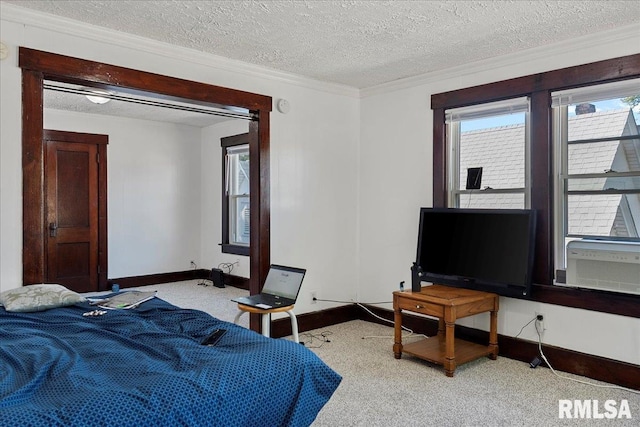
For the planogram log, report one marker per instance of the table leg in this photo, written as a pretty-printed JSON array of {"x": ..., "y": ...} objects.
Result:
[
  {"x": 266, "y": 324},
  {"x": 441, "y": 329},
  {"x": 493, "y": 335},
  {"x": 449, "y": 336},
  {"x": 238, "y": 314},
  {"x": 397, "y": 333},
  {"x": 294, "y": 326}
]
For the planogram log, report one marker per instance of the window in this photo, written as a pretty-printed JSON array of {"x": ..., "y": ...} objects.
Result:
[
  {"x": 488, "y": 155},
  {"x": 554, "y": 199},
  {"x": 597, "y": 151},
  {"x": 235, "y": 195}
]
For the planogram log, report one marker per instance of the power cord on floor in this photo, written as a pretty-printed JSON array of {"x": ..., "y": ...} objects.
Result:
[
  {"x": 352, "y": 302},
  {"x": 522, "y": 329},
  {"x": 195, "y": 267},
  {"x": 411, "y": 333},
  {"x": 569, "y": 378},
  {"x": 322, "y": 337}
]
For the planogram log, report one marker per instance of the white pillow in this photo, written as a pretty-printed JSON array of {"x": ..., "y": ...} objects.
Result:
[{"x": 38, "y": 298}]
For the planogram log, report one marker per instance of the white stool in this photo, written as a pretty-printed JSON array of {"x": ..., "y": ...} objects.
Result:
[{"x": 266, "y": 318}]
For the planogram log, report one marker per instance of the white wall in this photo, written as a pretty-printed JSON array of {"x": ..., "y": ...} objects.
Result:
[
  {"x": 153, "y": 190},
  {"x": 314, "y": 217},
  {"x": 314, "y": 148},
  {"x": 10, "y": 163},
  {"x": 396, "y": 179}
]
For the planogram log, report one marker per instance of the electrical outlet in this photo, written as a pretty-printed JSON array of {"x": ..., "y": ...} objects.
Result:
[
  {"x": 313, "y": 295},
  {"x": 541, "y": 320}
]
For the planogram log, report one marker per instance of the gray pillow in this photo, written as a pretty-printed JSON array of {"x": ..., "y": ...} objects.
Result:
[{"x": 38, "y": 298}]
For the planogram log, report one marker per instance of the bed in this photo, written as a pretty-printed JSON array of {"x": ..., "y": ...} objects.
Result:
[{"x": 146, "y": 367}]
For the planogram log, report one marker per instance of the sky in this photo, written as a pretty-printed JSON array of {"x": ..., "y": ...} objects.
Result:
[{"x": 511, "y": 119}]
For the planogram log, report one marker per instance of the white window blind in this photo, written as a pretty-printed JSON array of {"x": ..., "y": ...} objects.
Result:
[
  {"x": 480, "y": 111},
  {"x": 238, "y": 149},
  {"x": 232, "y": 168},
  {"x": 596, "y": 93}
]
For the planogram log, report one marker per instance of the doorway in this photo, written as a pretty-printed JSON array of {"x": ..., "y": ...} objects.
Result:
[
  {"x": 38, "y": 65},
  {"x": 75, "y": 182}
]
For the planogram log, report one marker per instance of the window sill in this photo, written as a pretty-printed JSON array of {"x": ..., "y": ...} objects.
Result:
[
  {"x": 235, "y": 249},
  {"x": 588, "y": 299}
]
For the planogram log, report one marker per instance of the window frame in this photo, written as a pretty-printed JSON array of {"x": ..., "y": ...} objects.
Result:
[
  {"x": 538, "y": 87},
  {"x": 453, "y": 126},
  {"x": 226, "y": 246},
  {"x": 560, "y": 113}
]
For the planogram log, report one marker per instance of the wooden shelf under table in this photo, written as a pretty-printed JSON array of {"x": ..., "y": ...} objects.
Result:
[{"x": 434, "y": 350}]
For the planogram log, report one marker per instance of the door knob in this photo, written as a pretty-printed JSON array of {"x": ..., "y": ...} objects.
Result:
[{"x": 53, "y": 229}]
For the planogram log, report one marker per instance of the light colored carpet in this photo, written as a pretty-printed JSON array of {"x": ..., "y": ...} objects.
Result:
[{"x": 378, "y": 390}]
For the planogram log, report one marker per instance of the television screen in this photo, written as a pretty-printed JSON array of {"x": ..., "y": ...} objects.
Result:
[{"x": 483, "y": 249}]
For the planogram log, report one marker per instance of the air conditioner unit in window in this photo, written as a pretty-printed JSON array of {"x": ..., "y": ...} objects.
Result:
[{"x": 604, "y": 265}]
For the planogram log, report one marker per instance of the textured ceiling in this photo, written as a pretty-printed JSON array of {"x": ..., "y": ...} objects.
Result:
[{"x": 355, "y": 43}]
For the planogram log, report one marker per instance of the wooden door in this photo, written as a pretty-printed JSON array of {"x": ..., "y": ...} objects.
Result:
[{"x": 72, "y": 216}]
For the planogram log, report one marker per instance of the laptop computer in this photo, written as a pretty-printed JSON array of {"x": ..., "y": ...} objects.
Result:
[{"x": 280, "y": 289}]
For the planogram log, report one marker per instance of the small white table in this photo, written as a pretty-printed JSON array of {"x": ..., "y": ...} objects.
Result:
[{"x": 266, "y": 318}]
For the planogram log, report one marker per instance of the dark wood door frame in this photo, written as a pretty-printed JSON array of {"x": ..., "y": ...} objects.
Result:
[
  {"x": 38, "y": 66},
  {"x": 101, "y": 142}
]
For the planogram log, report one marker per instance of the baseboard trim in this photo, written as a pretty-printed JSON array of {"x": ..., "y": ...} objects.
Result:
[
  {"x": 227, "y": 279},
  {"x": 564, "y": 360},
  {"x": 153, "y": 279},
  {"x": 315, "y": 320},
  {"x": 236, "y": 281},
  {"x": 177, "y": 276}
]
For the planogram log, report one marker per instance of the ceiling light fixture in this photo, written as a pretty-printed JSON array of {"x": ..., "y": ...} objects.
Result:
[{"x": 97, "y": 98}]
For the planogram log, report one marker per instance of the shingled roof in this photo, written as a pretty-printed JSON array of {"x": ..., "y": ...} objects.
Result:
[{"x": 499, "y": 151}]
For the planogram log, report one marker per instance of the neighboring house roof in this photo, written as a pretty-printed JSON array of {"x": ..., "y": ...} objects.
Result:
[
  {"x": 595, "y": 157},
  {"x": 500, "y": 152},
  {"x": 593, "y": 215}
]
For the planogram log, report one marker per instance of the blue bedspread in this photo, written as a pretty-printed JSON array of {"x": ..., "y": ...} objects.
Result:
[{"x": 146, "y": 367}]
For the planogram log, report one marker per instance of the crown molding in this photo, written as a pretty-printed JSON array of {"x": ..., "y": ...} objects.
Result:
[
  {"x": 27, "y": 17},
  {"x": 629, "y": 35}
]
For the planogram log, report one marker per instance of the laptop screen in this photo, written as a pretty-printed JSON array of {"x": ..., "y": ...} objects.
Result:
[{"x": 283, "y": 281}]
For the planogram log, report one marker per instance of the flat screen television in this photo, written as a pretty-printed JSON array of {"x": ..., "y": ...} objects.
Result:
[{"x": 484, "y": 249}]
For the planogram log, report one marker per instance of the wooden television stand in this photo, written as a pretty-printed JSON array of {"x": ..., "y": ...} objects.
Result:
[{"x": 447, "y": 304}]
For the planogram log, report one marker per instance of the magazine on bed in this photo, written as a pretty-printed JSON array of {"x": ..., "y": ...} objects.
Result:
[{"x": 124, "y": 300}]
